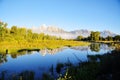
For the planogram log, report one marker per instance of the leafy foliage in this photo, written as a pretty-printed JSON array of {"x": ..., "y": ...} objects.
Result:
[
  {"x": 16, "y": 33},
  {"x": 95, "y": 36},
  {"x": 79, "y": 38}
]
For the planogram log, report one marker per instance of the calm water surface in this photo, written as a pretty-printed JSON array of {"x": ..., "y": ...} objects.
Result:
[{"x": 41, "y": 61}]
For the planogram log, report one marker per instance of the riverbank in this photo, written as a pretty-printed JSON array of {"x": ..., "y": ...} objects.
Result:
[
  {"x": 106, "y": 41},
  {"x": 14, "y": 46},
  {"x": 98, "y": 67}
]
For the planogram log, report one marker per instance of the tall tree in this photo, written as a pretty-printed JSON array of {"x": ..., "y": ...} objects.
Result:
[
  {"x": 3, "y": 30},
  {"x": 95, "y": 36},
  {"x": 29, "y": 34},
  {"x": 109, "y": 38},
  {"x": 22, "y": 33},
  {"x": 117, "y": 38},
  {"x": 79, "y": 38},
  {"x": 13, "y": 30}
]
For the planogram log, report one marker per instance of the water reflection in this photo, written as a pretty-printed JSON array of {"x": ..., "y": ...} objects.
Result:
[
  {"x": 51, "y": 51},
  {"x": 3, "y": 58},
  {"x": 81, "y": 48},
  {"x": 24, "y": 75},
  {"x": 15, "y": 55},
  {"x": 95, "y": 47},
  {"x": 34, "y": 61}
]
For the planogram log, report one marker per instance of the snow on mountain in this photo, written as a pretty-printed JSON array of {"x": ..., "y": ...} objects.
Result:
[
  {"x": 55, "y": 31},
  {"x": 107, "y": 33}
]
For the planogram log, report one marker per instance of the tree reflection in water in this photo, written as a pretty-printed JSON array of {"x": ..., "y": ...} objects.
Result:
[
  {"x": 3, "y": 58},
  {"x": 25, "y": 75},
  {"x": 95, "y": 47},
  {"x": 31, "y": 75}
]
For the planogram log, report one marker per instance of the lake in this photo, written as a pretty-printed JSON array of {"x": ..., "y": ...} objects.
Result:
[{"x": 40, "y": 62}]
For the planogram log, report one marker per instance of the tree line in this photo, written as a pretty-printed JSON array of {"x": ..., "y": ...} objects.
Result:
[
  {"x": 95, "y": 36},
  {"x": 16, "y": 33},
  {"x": 19, "y": 33}
]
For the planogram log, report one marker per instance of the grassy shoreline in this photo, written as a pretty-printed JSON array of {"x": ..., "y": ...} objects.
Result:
[
  {"x": 106, "y": 41},
  {"x": 14, "y": 46},
  {"x": 107, "y": 68}
]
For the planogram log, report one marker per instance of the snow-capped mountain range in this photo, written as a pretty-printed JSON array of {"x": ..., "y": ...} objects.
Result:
[{"x": 55, "y": 31}]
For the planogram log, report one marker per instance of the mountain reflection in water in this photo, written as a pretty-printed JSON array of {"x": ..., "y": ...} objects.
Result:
[
  {"x": 40, "y": 61},
  {"x": 52, "y": 51}
]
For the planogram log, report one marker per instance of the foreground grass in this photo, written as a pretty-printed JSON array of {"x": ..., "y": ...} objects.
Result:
[{"x": 14, "y": 46}]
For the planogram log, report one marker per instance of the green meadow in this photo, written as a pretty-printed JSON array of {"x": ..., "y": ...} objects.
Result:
[{"x": 14, "y": 46}]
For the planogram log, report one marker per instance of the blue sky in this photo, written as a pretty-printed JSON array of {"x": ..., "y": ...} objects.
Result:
[{"x": 97, "y": 15}]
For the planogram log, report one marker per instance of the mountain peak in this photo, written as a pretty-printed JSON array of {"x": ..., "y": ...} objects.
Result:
[
  {"x": 106, "y": 33},
  {"x": 44, "y": 29},
  {"x": 58, "y": 32}
]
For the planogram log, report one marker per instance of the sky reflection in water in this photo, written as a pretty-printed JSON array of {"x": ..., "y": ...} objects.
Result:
[{"x": 41, "y": 61}]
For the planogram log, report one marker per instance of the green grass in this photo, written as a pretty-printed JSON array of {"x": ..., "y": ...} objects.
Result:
[
  {"x": 14, "y": 46},
  {"x": 107, "y": 41}
]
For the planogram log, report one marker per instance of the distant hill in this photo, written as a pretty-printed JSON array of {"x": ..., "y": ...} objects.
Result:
[
  {"x": 55, "y": 31},
  {"x": 106, "y": 33}
]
